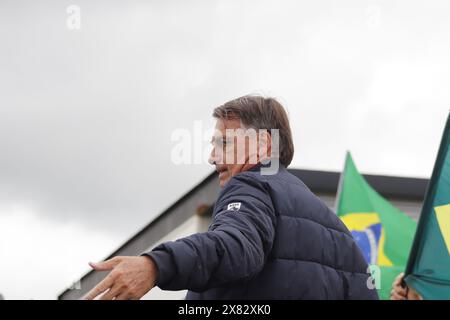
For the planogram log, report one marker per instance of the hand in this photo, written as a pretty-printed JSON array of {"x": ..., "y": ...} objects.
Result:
[
  {"x": 403, "y": 293},
  {"x": 398, "y": 292},
  {"x": 130, "y": 278}
]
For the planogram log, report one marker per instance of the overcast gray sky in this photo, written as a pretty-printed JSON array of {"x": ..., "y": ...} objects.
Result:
[{"x": 86, "y": 116}]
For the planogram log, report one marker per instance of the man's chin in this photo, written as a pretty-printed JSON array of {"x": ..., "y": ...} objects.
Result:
[{"x": 223, "y": 181}]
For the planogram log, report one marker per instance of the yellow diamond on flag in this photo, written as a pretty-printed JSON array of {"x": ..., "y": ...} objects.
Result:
[{"x": 443, "y": 218}]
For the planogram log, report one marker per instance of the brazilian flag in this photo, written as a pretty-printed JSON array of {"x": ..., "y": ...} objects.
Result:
[
  {"x": 383, "y": 233},
  {"x": 428, "y": 270}
]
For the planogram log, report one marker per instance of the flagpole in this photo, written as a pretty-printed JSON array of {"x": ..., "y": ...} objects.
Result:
[{"x": 337, "y": 200}]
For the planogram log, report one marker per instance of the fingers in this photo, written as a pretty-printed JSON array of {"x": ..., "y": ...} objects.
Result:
[
  {"x": 399, "y": 279},
  {"x": 100, "y": 288},
  {"x": 122, "y": 296},
  {"x": 105, "y": 265},
  {"x": 396, "y": 296},
  {"x": 397, "y": 284},
  {"x": 401, "y": 291},
  {"x": 111, "y": 293},
  {"x": 398, "y": 292},
  {"x": 130, "y": 278}
]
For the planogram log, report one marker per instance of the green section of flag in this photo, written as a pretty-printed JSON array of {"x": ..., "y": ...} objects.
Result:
[
  {"x": 428, "y": 270},
  {"x": 365, "y": 213},
  {"x": 388, "y": 275}
]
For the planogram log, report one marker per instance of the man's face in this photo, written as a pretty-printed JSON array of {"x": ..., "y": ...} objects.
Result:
[{"x": 231, "y": 152}]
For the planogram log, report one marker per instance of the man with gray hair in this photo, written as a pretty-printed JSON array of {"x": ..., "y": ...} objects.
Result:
[{"x": 270, "y": 237}]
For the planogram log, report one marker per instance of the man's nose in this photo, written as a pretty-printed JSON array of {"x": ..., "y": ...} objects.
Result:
[{"x": 212, "y": 159}]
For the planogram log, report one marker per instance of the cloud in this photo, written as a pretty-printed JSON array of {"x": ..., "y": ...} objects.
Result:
[{"x": 40, "y": 257}]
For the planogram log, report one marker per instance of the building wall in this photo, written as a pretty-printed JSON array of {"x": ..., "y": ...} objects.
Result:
[{"x": 192, "y": 225}]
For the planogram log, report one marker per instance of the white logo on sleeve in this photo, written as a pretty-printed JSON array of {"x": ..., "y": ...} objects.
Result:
[{"x": 235, "y": 206}]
